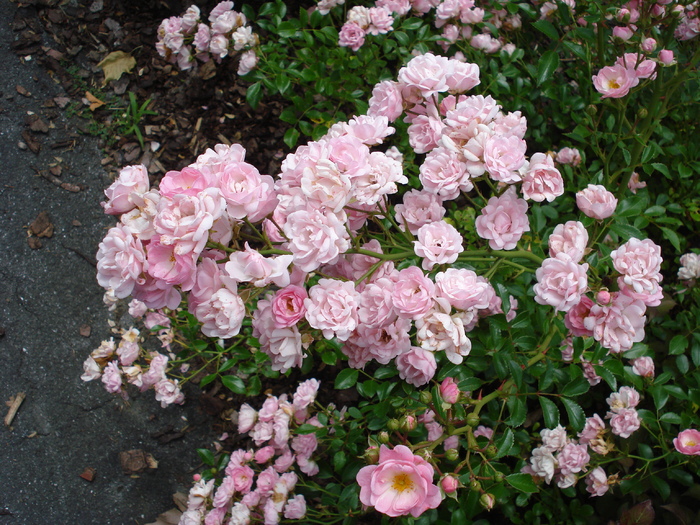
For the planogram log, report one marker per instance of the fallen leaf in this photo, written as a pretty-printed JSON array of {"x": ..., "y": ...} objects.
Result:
[
  {"x": 116, "y": 64},
  {"x": 30, "y": 141},
  {"x": 171, "y": 517},
  {"x": 135, "y": 461},
  {"x": 34, "y": 243},
  {"x": 42, "y": 227},
  {"x": 88, "y": 474},
  {"x": 35, "y": 123},
  {"x": 62, "y": 101},
  {"x": 94, "y": 101},
  {"x": 23, "y": 91}
]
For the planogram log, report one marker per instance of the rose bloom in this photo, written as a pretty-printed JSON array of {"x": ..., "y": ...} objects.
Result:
[
  {"x": 427, "y": 73},
  {"x": 386, "y": 100},
  {"x": 614, "y": 81},
  {"x": 438, "y": 243},
  {"x": 542, "y": 181},
  {"x": 624, "y": 422},
  {"x": 619, "y": 325},
  {"x": 690, "y": 267},
  {"x": 561, "y": 282},
  {"x": 400, "y": 484},
  {"x": 503, "y": 157},
  {"x": 288, "y": 306},
  {"x": 413, "y": 293},
  {"x": 570, "y": 238},
  {"x": 639, "y": 262},
  {"x": 688, "y": 442},
  {"x": 570, "y": 156},
  {"x": 503, "y": 221},
  {"x": 596, "y": 202},
  {"x": 332, "y": 308},
  {"x": 574, "y": 318},
  {"x": 351, "y": 35},
  {"x": 133, "y": 180},
  {"x": 643, "y": 366},
  {"x": 464, "y": 289},
  {"x": 417, "y": 366},
  {"x": 597, "y": 482}
]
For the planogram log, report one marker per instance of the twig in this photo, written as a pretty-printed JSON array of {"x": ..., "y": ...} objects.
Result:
[{"x": 14, "y": 407}]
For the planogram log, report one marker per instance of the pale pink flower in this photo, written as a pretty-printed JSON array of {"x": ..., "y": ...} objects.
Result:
[
  {"x": 690, "y": 267},
  {"x": 570, "y": 238},
  {"x": 648, "y": 45},
  {"x": 597, "y": 482},
  {"x": 624, "y": 422},
  {"x": 643, "y": 366},
  {"x": 332, "y": 308},
  {"x": 137, "y": 308},
  {"x": 376, "y": 307},
  {"x": 483, "y": 431},
  {"x": 400, "y": 484},
  {"x": 168, "y": 392},
  {"x": 380, "y": 179},
  {"x": 593, "y": 429},
  {"x": 463, "y": 288},
  {"x": 543, "y": 463},
  {"x": 91, "y": 370},
  {"x": 437, "y": 330},
  {"x": 247, "y": 193},
  {"x": 573, "y": 458},
  {"x": 370, "y": 129},
  {"x": 418, "y": 208},
  {"x": 666, "y": 57},
  {"x": 503, "y": 158},
  {"x": 386, "y": 100},
  {"x": 619, "y": 325},
  {"x": 542, "y": 181},
  {"x": 624, "y": 33},
  {"x": 380, "y": 21},
  {"x": 222, "y": 315},
  {"x": 427, "y": 73},
  {"x": 288, "y": 305},
  {"x": 416, "y": 366},
  {"x": 461, "y": 76},
  {"x": 449, "y": 484},
  {"x": 438, "y": 243},
  {"x": 640, "y": 66},
  {"x": 250, "y": 266},
  {"x": 188, "y": 181},
  {"x": 688, "y": 442},
  {"x": 639, "y": 262},
  {"x": 128, "y": 350},
  {"x": 614, "y": 81},
  {"x": 351, "y": 35},
  {"x": 503, "y": 221},
  {"x": 283, "y": 345},
  {"x": 121, "y": 261},
  {"x": 315, "y": 238},
  {"x": 561, "y": 282},
  {"x": 596, "y": 202},
  {"x": 413, "y": 293},
  {"x": 554, "y": 439},
  {"x": 570, "y": 156},
  {"x": 324, "y": 184},
  {"x": 112, "y": 378},
  {"x": 124, "y": 192},
  {"x": 635, "y": 184},
  {"x": 247, "y": 416},
  {"x": 425, "y": 130},
  {"x": 156, "y": 371},
  {"x": 305, "y": 394},
  {"x": 575, "y": 317},
  {"x": 626, "y": 397},
  {"x": 295, "y": 508}
]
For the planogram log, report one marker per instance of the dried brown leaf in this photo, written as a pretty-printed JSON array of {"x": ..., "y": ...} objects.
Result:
[{"x": 116, "y": 64}]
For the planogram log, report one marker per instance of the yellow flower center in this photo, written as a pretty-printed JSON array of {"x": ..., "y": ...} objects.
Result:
[
  {"x": 402, "y": 483},
  {"x": 690, "y": 443}
]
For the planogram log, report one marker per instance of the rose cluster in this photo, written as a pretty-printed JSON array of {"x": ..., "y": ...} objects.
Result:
[
  {"x": 258, "y": 484},
  {"x": 182, "y": 39},
  {"x": 459, "y": 20}
]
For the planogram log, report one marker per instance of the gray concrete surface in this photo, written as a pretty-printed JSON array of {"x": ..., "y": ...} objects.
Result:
[{"x": 66, "y": 425}]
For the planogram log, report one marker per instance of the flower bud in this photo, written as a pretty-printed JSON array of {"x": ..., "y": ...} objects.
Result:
[
  {"x": 642, "y": 112},
  {"x": 648, "y": 45},
  {"x": 449, "y": 484},
  {"x": 491, "y": 451},
  {"x": 487, "y": 501},
  {"x": 197, "y": 477},
  {"x": 499, "y": 477},
  {"x": 371, "y": 455},
  {"x": 408, "y": 423},
  {"x": 393, "y": 424},
  {"x": 473, "y": 419},
  {"x": 603, "y": 297},
  {"x": 383, "y": 437},
  {"x": 475, "y": 485},
  {"x": 452, "y": 454},
  {"x": 449, "y": 391},
  {"x": 591, "y": 110},
  {"x": 426, "y": 397},
  {"x": 666, "y": 57}
]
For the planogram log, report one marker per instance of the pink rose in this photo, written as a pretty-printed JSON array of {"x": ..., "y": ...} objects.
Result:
[
  {"x": 542, "y": 181},
  {"x": 288, "y": 305},
  {"x": 688, "y": 442},
  {"x": 124, "y": 193},
  {"x": 295, "y": 508},
  {"x": 640, "y": 66},
  {"x": 449, "y": 390},
  {"x": 503, "y": 158},
  {"x": 386, "y": 100},
  {"x": 619, "y": 325},
  {"x": 438, "y": 243},
  {"x": 503, "y": 221},
  {"x": 168, "y": 392},
  {"x": 570, "y": 156},
  {"x": 417, "y": 366},
  {"x": 597, "y": 482},
  {"x": 112, "y": 378},
  {"x": 351, "y": 35},
  {"x": 570, "y": 238},
  {"x": 625, "y": 422},
  {"x": 573, "y": 458},
  {"x": 121, "y": 261},
  {"x": 413, "y": 293},
  {"x": 643, "y": 366},
  {"x": 639, "y": 262},
  {"x": 418, "y": 208},
  {"x": 574, "y": 318},
  {"x": 315, "y": 238},
  {"x": 666, "y": 57},
  {"x": 596, "y": 202},
  {"x": 332, "y": 308},
  {"x": 464, "y": 289},
  {"x": 250, "y": 266},
  {"x": 400, "y": 484},
  {"x": 614, "y": 81},
  {"x": 427, "y": 73},
  {"x": 561, "y": 282}
]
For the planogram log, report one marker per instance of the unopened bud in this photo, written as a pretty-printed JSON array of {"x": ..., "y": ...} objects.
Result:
[
  {"x": 197, "y": 477},
  {"x": 449, "y": 484},
  {"x": 499, "y": 477},
  {"x": 371, "y": 455},
  {"x": 426, "y": 397},
  {"x": 452, "y": 454},
  {"x": 475, "y": 485},
  {"x": 642, "y": 112},
  {"x": 383, "y": 437},
  {"x": 487, "y": 501},
  {"x": 408, "y": 423},
  {"x": 603, "y": 297},
  {"x": 591, "y": 110},
  {"x": 393, "y": 424},
  {"x": 491, "y": 451},
  {"x": 473, "y": 419}
]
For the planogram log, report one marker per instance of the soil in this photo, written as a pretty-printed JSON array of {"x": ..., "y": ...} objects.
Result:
[{"x": 74, "y": 453}]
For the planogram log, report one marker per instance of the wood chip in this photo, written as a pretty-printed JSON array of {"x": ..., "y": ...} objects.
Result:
[
  {"x": 135, "y": 461},
  {"x": 88, "y": 474},
  {"x": 34, "y": 243},
  {"x": 14, "y": 404},
  {"x": 23, "y": 91},
  {"x": 35, "y": 123},
  {"x": 41, "y": 226},
  {"x": 31, "y": 141},
  {"x": 85, "y": 330}
]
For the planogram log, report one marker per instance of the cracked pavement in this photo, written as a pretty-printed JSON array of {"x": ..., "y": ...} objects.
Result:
[{"x": 46, "y": 294}]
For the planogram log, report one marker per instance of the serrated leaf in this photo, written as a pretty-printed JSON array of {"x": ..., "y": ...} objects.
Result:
[
  {"x": 346, "y": 378},
  {"x": 672, "y": 237},
  {"x": 547, "y": 28},
  {"x": 518, "y": 411},
  {"x": 522, "y": 483},
  {"x": 550, "y": 412},
  {"x": 576, "y": 387},
  {"x": 678, "y": 345},
  {"x": 505, "y": 443},
  {"x": 660, "y": 396},
  {"x": 641, "y": 514},
  {"x": 577, "y": 418},
  {"x": 546, "y": 66}
]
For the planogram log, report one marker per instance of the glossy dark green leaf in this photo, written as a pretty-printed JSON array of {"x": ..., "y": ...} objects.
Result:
[
  {"x": 346, "y": 378},
  {"x": 546, "y": 66},
  {"x": 522, "y": 483},
  {"x": 234, "y": 384},
  {"x": 550, "y": 412}
]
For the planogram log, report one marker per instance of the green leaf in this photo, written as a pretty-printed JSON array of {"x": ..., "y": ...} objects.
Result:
[
  {"x": 470, "y": 384},
  {"x": 576, "y": 49},
  {"x": 661, "y": 487},
  {"x": 678, "y": 345},
  {"x": 290, "y": 137},
  {"x": 228, "y": 364},
  {"x": 672, "y": 237},
  {"x": 607, "y": 375},
  {"x": 630, "y": 207},
  {"x": 234, "y": 384},
  {"x": 576, "y": 387},
  {"x": 522, "y": 483},
  {"x": 505, "y": 443},
  {"x": 683, "y": 364},
  {"x": 546, "y": 66},
  {"x": 346, "y": 378},
  {"x": 207, "y": 456},
  {"x": 384, "y": 372},
  {"x": 576, "y": 415},
  {"x": 626, "y": 231},
  {"x": 254, "y": 94},
  {"x": 306, "y": 428},
  {"x": 547, "y": 28},
  {"x": 550, "y": 411},
  {"x": 660, "y": 396},
  {"x": 207, "y": 379},
  {"x": 411, "y": 24},
  {"x": 671, "y": 417},
  {"x": 339, "y": 460},
  {"x": 518, "y": 411}
]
